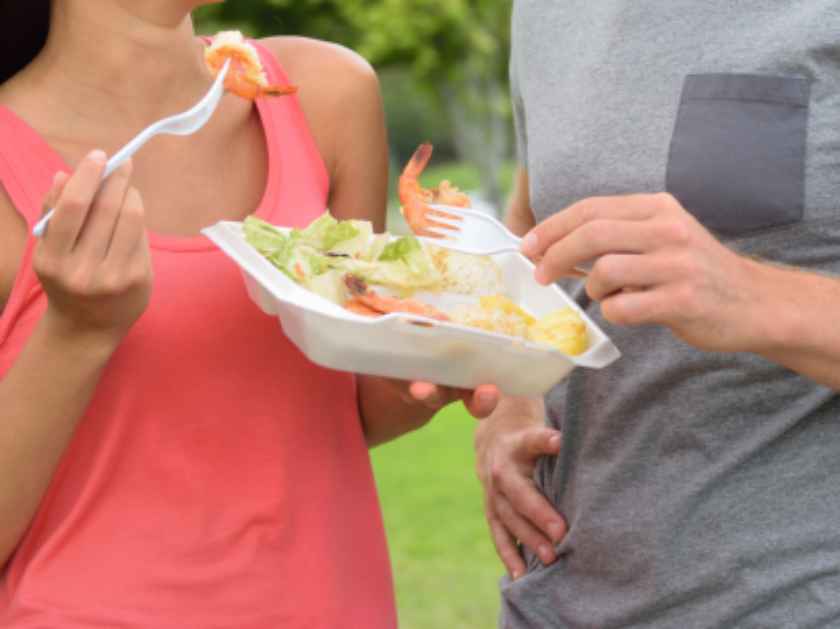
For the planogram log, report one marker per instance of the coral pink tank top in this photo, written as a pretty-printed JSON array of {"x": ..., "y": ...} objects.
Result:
[{"x": 218, "y": 478}]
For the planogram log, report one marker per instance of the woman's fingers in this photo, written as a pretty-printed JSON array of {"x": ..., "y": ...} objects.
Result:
[
  {"x": 426, "y": 393},
  {"x": 482, "y": 401},
  {"x": 73, "y": 205},
  {"x": 129, "y": 237},
  {"x": 102, "y": 219},
  {"x": 59, "y": 181}
]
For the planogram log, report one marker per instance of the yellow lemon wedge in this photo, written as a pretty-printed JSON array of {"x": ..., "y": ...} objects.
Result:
[{"x": 563, "y": 329}]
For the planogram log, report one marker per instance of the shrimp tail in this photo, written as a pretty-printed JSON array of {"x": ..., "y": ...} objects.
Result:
[{"x": 418, "y": 162}]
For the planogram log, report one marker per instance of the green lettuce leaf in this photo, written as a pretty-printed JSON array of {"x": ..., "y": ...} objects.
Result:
[
  {"x": 352, "y": 247},
  {"x": 288, "y": 252},
  {"x": 326, "y": 232}
]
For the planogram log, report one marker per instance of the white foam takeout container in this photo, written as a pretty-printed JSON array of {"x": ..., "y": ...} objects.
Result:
[{"x": 393, "y": 346}]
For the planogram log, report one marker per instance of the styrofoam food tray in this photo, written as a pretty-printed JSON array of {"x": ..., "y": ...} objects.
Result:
[{"x": 392, "y": 346}]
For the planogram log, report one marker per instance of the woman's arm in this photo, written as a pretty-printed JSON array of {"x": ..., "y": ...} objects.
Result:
[
  {"x": 42, "y": 398},
  {"x": 96, "y": 289},
  {"x": 340, "y": 96}
]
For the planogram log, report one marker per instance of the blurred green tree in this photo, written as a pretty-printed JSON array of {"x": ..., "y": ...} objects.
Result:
[
  {"x": 323, "y": 19},
  {"x": 455, "y": 51},
  {"x": 458, "y": 50}
]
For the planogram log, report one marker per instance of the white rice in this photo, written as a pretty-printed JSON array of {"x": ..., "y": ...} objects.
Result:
[{"x": 467, "y": 274}]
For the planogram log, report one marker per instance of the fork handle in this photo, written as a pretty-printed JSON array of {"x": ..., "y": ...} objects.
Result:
[{"x": 117, "y": 160}]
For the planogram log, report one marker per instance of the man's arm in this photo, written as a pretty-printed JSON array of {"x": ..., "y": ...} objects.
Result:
[
  {"x": 802, "y": 332},
  {"x": 657, "y": 265},
  {"x": 508, "y": 444},
  {"x": 520, "y": 218},
  {"x": 507, "y": 447}
]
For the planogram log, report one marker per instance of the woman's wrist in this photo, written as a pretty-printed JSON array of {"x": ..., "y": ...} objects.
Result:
[
  {"x": 387, "y": 410},
  {"x": 82, "y": 344}
]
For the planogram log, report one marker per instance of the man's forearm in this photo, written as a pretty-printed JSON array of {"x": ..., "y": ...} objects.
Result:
[
  {"x": 800, "y": 322},
  {"x": 519, "y": 218}
]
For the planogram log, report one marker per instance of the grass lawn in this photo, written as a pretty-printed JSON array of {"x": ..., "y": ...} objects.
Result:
[{"x": 445, "y": 567}]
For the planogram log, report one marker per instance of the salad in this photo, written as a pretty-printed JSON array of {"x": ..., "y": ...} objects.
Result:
[{"x": 373, "y": 274}]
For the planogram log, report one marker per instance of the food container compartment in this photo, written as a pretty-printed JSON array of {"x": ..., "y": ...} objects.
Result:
[{"x": 411, "y": 347}]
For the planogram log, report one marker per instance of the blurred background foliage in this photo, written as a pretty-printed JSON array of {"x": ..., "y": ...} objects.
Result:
[
  {"x": 443, "y": 67},
  {"x": 444, "y": 76}
]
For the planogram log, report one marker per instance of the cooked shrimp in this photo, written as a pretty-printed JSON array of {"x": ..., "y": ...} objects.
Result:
[
  {"x": 447, "y": 194},
  {"x": 246, "y": 77},
  {"x": 361, "y": 309},
  {"x": 380, "y": 305},
  {"x": 367, "y": 302},
  {"x": 415, "y": 199}
]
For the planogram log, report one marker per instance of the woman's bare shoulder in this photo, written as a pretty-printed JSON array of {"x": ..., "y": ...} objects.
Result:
[
  {"x": 332, "y": 79},
  {"x": 306, "y": 59},
  {"x": 337, "y": 88}
]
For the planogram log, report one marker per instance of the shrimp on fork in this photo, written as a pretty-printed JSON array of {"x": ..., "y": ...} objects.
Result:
[
  {"x": 246, "y": 77},
  {"x": 415, "y": 199}
]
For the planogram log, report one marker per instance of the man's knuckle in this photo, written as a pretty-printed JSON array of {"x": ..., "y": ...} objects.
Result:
[
  {"x": 685, "y": 297},
  {"x": 674, "y": 231},
  {"x": 584, "y": 210},
  {"x": 615, "y": 312},
  {"x": 665, "y": 201},
  {"x": 497, "y": 474}
]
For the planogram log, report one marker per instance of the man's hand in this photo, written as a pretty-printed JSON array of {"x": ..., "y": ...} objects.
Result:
[
  {"x": 655, "y": 264},
  {"x": 508, "y": 445}
]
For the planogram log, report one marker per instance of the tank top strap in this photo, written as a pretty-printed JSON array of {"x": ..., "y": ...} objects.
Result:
[
  {"x": 27, "y": 165},
  {"x": 275, "y": 73},
  {"x": 295, "y": 156}
]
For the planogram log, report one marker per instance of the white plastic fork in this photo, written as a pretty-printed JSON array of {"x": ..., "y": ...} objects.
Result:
[
  {"x": 471, "y": 232},
  {"x": 476, "y": 233},
  {"x": 185, "y": 123}
]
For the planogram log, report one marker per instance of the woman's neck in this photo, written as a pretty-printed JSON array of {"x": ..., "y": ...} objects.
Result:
[{"x": 124, "y": 63}]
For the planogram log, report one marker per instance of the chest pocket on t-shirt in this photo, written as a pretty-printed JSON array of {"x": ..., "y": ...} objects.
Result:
[{"x": 737, "y": 158}]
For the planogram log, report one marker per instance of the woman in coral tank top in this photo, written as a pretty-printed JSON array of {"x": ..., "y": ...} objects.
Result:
[{"x": 168, "y": 459}]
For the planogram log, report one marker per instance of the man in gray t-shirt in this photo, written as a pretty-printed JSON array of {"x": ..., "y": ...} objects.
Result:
[{"x": 698, "y": 477}]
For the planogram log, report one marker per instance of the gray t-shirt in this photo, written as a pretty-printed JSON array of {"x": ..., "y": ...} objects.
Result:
[{"x": 701, "y": 489}]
